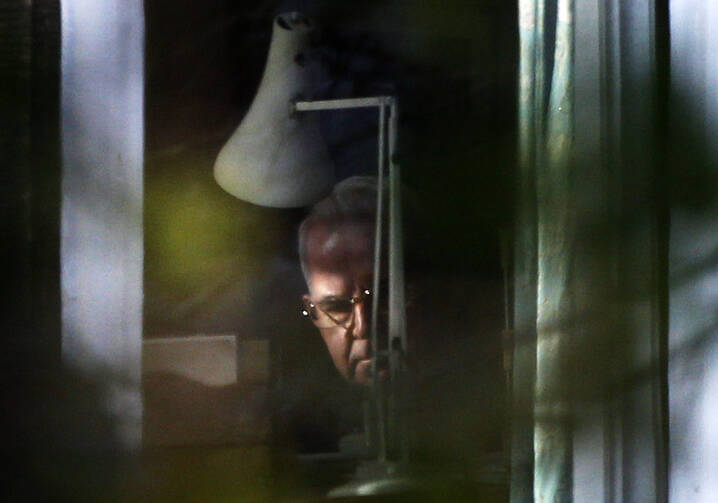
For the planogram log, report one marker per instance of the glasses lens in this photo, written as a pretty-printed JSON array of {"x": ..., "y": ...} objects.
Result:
[{"x": 338, "y": 310}]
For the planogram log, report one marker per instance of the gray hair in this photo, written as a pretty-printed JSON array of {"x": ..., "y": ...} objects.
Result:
[{"x": 351, "y": 200}]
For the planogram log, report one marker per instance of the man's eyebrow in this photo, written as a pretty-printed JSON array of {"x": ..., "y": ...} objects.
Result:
[{"x": 333, "y": 297}]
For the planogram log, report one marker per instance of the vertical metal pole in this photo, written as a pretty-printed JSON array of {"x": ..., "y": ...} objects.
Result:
[
  {"x": 377, "y": 397},
  {"x": 397, "y": 311},
  {"x": 397, "y": 315}
]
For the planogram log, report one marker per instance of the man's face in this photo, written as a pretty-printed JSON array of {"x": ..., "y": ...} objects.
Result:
[{"x": 340, "y": 264}]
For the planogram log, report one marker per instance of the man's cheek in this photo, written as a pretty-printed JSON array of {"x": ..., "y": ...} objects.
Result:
[{"x": 338, "y": 353}]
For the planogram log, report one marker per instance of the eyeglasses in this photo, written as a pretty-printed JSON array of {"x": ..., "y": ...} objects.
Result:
[{"x": 334, "y": 311}]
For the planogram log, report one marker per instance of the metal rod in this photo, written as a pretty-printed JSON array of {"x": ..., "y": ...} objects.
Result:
[
  {"x": 397, "y": 314},
  {"x": 308, "y": 106},
  {"x": 397, "y": 301},
  {"x": 376, "y": 396}
]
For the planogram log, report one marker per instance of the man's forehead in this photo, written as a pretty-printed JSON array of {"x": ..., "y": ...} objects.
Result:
[
  {"x": 340, "y": 238},
  {"x": 323, "y": 283},
  {"x": 343, "y": 248}
]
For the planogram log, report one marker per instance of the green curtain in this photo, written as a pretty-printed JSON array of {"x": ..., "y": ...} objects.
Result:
[
  {"x": 552, "y": 437},
  {"x": 544, "y": 219},
  {"x": 588, "y": 378}
]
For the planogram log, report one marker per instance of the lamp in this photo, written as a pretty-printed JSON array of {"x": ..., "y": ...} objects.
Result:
[{"x": 276, "y": 158}]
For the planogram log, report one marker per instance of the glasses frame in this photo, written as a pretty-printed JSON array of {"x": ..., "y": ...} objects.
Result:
[{"x": 309, "y": 310}]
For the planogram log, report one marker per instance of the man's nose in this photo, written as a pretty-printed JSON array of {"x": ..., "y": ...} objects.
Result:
[{"x": 360, "y": 326}]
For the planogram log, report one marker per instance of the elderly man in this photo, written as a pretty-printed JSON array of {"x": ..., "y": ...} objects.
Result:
[
  {"x": 336, "y": 248},
  {"x": 454, "y": 383}
]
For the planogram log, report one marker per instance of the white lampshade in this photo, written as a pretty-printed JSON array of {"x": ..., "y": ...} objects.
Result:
[{"x": 275, "y": 158}]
